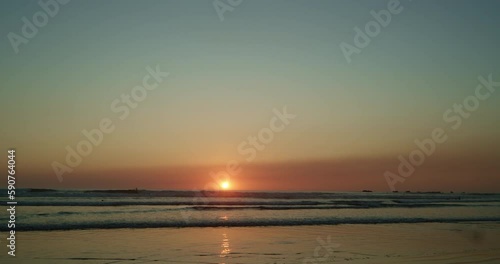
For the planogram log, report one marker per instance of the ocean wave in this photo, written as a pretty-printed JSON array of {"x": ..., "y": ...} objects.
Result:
[
  {"x": 240, "y": 223},
  {"x": 255, "y": 204},
  {"x": 255, "y": 194}
]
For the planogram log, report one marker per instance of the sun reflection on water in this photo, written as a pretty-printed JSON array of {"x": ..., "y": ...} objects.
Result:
[{"x": 225, "y": 247}]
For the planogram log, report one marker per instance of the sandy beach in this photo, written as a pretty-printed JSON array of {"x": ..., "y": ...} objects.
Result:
[{"x": 380, "y": 243}]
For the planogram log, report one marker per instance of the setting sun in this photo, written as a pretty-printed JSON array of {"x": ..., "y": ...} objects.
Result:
[{"x": 225, "y": 185}]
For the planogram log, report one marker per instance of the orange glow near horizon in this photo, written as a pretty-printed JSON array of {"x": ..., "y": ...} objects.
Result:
[{"x": 225, "y": 185}]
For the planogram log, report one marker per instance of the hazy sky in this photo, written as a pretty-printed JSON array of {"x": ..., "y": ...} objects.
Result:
[{"x": 226, "y": 77}]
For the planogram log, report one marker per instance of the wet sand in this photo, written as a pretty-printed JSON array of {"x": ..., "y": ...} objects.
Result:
[{"x": 382, "y": 243}]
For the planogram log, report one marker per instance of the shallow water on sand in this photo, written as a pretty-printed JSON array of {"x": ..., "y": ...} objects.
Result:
[{"x": 381, "y": 243}]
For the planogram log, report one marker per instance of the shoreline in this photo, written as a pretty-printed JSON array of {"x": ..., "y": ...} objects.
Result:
[
  {"x": 360, "y": 243},
  {"x": 115, "y": 226}
]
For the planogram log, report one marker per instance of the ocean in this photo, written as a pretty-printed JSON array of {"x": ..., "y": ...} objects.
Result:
[{"x": 42, "y": 209}]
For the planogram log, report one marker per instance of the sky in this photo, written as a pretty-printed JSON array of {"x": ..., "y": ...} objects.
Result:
[{"x": 230, "y": 72}]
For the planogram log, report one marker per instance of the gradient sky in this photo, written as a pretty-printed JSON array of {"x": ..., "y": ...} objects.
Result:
[{"x": 353, "y": 120}]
